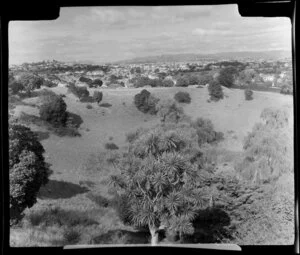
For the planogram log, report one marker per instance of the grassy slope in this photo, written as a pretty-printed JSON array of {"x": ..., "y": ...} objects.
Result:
[{"x": 234, "y": 116}]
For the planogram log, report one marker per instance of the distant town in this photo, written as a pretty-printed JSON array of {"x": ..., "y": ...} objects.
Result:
[{"x": 261, "y": 74}]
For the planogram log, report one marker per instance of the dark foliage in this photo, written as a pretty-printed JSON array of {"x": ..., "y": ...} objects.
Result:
[
  {"x": 215, "y": 91},
  {"x": 145, "y": 102},
  {"x": 182, "y": 97},
  {"x": 111, "y": 146},
  {"x": 27, "y": 170},
  {"x": 53, "y": 110},
  {"x": 167, "y": 83},
  {"x": 98, "y": 96},
  {"x": 15, "y": 87},
  {"x": 205, "y": 131},
  {"x": 182, "y": 82},
  {"x": 226, "y": 76},
  {"x": 248, "y": 94}
]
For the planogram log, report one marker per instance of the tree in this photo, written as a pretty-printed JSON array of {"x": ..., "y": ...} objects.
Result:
[
  {"x": 96, "y": 83},
  {"x": 182, "y": 82},
  {"x": 160, "y": 182},
  {"x": 15, "y": 87},
  {"x": 170, "y": 111},
  {"x": 28, "y": 170},
  {"x": 226, "y": 76},
  {"x": 215, "y": 91},
  {"x": 145, "y": 102},
  {"x": 98, "y": 96},
  {"x": 193, "y": 79},
  {"x": 205, "y": 131},
  {"x": 268, "y": 149},
  {"x": 167, "y": 83},
  {"x": 53, "y": 110},
  {"x": 182, "y": 97}
]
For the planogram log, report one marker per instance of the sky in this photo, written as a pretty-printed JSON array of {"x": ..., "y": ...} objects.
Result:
[{"x": 107, "y": 34}]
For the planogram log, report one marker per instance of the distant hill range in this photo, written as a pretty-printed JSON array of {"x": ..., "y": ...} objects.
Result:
[{"x": 190, "y": 57}]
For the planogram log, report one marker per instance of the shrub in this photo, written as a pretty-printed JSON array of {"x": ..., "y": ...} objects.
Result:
[
  {"x": 85, "y": 80},
  {"x": 226, "y": 76},
  {"x": 71, "y": 236},
  {"x": 182, "y": 82},
  {"x": 167, "y": 83},
  {"x": 111, "y": 146},
  {"x": 79, "y": 92},
  {"x": 268, "y": 149},
  {"x": 193, "y": 79},
  {"x": 30, "y": 81},
  {"x": 182, "y": 97},
  {"x": 205, "y": 131},
  {"x": 87, "y": 99},
  {"x": 106, "y": 105},
  {"x": 287, "y": 90},
  {"x": 98, "y": 96},
  {"x": 49, "y": 84},
  {"x": 215, "y": 91},
  {"x": 15, "y": 87},
  {"x": 53, "y": 110},
  {"x": 28, "y": 170},
  {"x": 88, "y": 106},
  {"x": 95, "y": 83},
  {"x": 169, "y": 111},
  {"x": 145, "y": 102},
  {"x": 248, "y": 94}
]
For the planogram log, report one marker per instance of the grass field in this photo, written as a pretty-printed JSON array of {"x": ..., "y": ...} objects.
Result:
[{"x": 73, "y": 188}]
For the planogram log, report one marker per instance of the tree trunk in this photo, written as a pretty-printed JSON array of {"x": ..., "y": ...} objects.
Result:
[{"x": 154, "y": 235}]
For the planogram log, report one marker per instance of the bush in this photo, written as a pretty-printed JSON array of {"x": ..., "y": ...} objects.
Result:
[
  {"x": 71, "y": 236},
  {"x": 248, "y": 94},
  {"x": 49, "y": 84},
  {"x": 111, "y": 146},
  {"x": 87, "y": 99},
  {"x": 226, "y": 76},
  {"x": 15, "y": 87},
  {"x": 89, "y": 106},
  {"x": 98, "y": 96},
  {"x": 167, "y": 83},
  {"x": 287, "y": 90},
  {"x": 28, "y": 170},
  {"x": 79, "y": 92},
  {"x": 96, "y": 83},
  {"x": 169, "y": 111},
  {"x": 182, "y": 97},
  {"x": 182, "y": 82},
  {"x": 205, "y": 131},
  {"x": 53, "y": 110},
  {"x": 85, "y": 80},
  {"x": 215, "y": 91},
  {"x": 193, "y": 79},
  {"x": 145, "y": 102}
]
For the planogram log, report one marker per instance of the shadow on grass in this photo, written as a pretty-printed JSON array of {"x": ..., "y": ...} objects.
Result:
[
  {"x": 210, "y": 227},
  {"x": 120, "y": 236},
  {"x": 69, "y": 130},
  {"x": 52, "y": 216},
  {"x": 107, "y": 105},
  {"x": 75, "y": 119},
  {"x": 60, "y": 189},
  {"x": 42, "y": 135}
]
